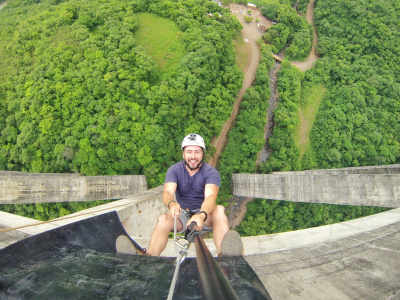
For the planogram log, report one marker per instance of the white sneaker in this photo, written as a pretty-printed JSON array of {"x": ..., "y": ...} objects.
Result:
[
  {"x": 124, "y": 245},
  {"x": 232, "y": 244}
]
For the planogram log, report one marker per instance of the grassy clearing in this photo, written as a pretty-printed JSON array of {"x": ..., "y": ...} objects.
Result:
[
  {"x": 307, "y": 117},
  {"x": 161, "y": 39},
  {"x": 243, "y": 53}
]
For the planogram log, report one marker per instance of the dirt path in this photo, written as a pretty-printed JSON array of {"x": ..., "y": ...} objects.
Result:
[
  {"x": 307, "y": 64},
  {"x": 252, "y": 34},
  {"x": 3, "y": 4},
  {"x": 236, "y": 210},
  {"x": 237, "y": 206}
]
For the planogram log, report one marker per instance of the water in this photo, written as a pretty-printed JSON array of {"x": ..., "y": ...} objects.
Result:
[
  {"x": 78, "y": 261},
  {"x": 76, "y": 273}
]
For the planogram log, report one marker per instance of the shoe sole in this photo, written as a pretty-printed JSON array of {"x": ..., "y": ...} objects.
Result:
[{"x": 232, "y": 244}]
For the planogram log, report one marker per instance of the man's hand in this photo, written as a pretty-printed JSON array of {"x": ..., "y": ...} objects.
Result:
[
  {"x": 199, "y": 219},
  {"x": 174, "y": 210}
]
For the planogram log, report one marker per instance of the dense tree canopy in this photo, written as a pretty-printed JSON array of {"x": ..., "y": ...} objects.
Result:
[
  {"x": 291, "y": 31},
  {"x": 284, "y": 156},
  {"x": 359, "y": 119},
  {"x": 270, "y": 216},
  {"x": 79, "y": 93}
]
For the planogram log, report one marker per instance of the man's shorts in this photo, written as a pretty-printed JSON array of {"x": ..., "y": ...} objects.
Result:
[{"x": 185, "y": 217}]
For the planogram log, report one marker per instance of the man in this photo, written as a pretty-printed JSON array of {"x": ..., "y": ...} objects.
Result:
[{"x": 195, "y": 185}]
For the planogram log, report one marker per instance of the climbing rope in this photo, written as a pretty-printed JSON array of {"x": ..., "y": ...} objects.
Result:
[{"x": 182, "y": 251}]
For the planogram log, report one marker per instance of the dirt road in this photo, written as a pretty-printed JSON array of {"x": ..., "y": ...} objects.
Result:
[
  {"x": 251, "y": 34},
  {"x": 307, "y": 64}
]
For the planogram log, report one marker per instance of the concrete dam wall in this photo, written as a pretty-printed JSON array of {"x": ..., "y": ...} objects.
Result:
[
  {"x": 357, "y": 259},
  {"x": 369, "y": 186},
  {"x": 18, "y": 187}
]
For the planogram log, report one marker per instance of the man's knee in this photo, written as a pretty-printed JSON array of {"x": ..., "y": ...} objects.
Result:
[
  {"x": 166, "y": 222},
  {"x": 219, "y": 213},
  {"x": 219, "y": 210}
]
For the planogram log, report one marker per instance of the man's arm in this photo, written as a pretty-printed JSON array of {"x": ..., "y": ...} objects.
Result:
[
  {"x": 210, "y": 198},
  {"x": 169, "y": 199}
]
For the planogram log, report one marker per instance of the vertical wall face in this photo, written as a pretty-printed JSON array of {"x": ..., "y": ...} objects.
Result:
[
  {"x": 140, "y": 218},
  {"x": 18, "y": 187},
  {"x": 138, "y": 215},
  {"x": 370, "y": 186}
]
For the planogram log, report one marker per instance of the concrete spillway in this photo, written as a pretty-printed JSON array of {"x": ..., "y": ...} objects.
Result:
[
  {"x": 358, "y": 259},
  {"x": 79, "y": 260}
]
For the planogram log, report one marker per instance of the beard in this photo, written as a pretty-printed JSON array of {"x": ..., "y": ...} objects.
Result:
[{"x": 193, "y": 167}]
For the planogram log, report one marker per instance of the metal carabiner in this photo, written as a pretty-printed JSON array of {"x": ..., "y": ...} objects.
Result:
[{"x": 183, "y": 248}]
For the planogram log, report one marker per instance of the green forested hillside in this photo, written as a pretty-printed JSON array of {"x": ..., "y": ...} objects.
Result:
[
  {"x": 246, "y": 139},
  {"x": 358, "y": 121},
  {"x": 82, "y": 92},
  {"x": 291, "y": 29},
  {"x": 110, "y": 87},
  {"x": 359, "y": 118}
]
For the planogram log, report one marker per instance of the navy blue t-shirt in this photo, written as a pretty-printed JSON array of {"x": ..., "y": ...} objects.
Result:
[{"x": 190, "y": 189}]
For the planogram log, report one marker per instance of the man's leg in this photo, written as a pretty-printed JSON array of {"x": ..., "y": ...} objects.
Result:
[
  {"x": 219, "y": 222},
  {"x": 159, "y": 237}
]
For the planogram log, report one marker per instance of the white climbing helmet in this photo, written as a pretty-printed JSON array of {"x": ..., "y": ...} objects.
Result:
[{"x": 193, "y": 139}]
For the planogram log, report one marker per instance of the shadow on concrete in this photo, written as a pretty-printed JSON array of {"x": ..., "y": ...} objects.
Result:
[{"x": 79, "y": 261}]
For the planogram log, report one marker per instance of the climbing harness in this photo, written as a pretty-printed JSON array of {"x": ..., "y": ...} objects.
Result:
[
  {"x": 214, "y": 284},
  {"x": 182, "y": 251}
]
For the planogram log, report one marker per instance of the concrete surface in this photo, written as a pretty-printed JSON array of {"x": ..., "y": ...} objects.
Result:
[
  {"x": 362, "y": 266},
  {"x": 357, "y": 259},
  {"x": 19, "y": 187},
  {"x": 369, "y": 186},
  {"x": 138, "y": 215},
  {"x": 10, "y": 237}
]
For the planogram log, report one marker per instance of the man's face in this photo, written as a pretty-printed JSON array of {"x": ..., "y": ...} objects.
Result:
[{"x": 193, "y": 156}]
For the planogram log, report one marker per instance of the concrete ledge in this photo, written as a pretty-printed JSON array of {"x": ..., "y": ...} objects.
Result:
[
  {"x": 372, "y": 170},
  {"x": 138, "y": 215},
  {"x": 32, "y": 226},
  {"x": 263, "y": 244},
  {"x": 363, "y": 265},
  {"x": 357, "y": 259},
  {"x": 10, "y": 237},
  {"x": 19, "y": 187},
  {"x": 9, "y": 221},
  {"x": 382, "y": 190},
  {"x": 134, "y": 214},
  {"x": 305, "y": 237}
]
